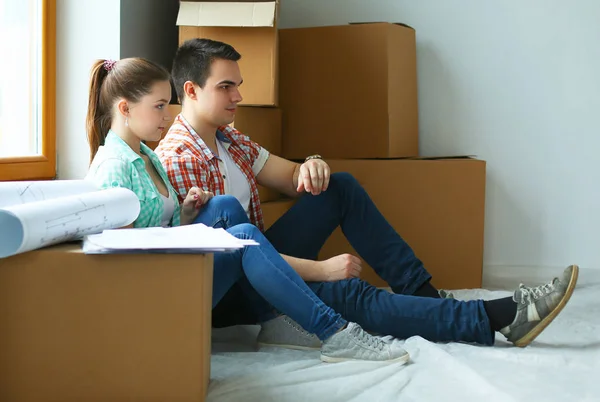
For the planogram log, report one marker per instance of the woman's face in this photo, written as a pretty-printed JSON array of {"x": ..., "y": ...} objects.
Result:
[{"x": 148, "y": 117}]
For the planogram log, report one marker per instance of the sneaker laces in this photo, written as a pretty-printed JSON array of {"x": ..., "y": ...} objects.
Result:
[
  {"x": 295, "y": 326},
  {"x": 370, "y": 340},
  {"x": 535, "y": 293}
]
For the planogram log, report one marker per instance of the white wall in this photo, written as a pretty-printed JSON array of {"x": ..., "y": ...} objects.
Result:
[
  {"x": 518, "y": 84},
  {"x": 86, "y": 30}
]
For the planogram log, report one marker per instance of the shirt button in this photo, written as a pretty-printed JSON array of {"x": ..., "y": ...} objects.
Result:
[{"x": 224, "y": 177}]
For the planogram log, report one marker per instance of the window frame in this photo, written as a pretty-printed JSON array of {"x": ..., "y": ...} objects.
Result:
[{"x": 42, "y": 166}]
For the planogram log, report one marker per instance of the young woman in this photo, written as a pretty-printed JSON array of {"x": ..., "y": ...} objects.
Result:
[{"x": 127, "y": 105}]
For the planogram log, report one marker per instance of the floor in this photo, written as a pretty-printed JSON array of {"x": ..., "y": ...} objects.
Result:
[{"x": 563, "y": 364}]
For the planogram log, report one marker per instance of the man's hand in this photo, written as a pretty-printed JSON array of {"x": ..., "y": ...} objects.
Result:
[
  {"x": 313, "y": 176},
  {"x": 340, "y": 267},
  {"x": 192, "y": 203}
]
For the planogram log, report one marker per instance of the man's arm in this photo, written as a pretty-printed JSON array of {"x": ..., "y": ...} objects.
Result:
[
  {"x": 280, "y": 174},
  {"x": 344, "y": 266},
  {"x": 292, "y": 178}
]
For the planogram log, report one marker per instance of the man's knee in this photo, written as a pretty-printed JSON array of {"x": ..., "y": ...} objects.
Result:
[
  {"x": 353, "y": 289},
  {"x": 345, "y": 296},
  {"x": 344, "y": 179}
]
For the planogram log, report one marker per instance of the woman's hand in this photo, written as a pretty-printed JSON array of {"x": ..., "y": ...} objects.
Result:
[{"x": 194, "y": 200}]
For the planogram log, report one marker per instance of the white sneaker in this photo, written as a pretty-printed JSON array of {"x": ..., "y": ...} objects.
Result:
[{"x": 354, "y": 343}]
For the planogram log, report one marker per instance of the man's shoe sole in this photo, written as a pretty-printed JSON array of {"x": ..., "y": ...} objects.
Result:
[
  {"x": 284, "y": 346},
  {"x": 402, "y": 359},
  {"x": 535, "y": 331}
]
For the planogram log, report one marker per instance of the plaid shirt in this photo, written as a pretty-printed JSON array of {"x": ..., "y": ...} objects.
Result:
[
  {"x": 117, "y": 165},
  {"x": 190, "y": 163}
]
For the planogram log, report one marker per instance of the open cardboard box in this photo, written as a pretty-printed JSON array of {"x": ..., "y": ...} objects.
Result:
[{"x": 251, "y": 28}]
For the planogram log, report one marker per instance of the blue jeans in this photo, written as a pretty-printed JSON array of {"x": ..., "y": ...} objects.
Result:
[
  {"x": 259, "y": 273},
  {"x": 301, "y": 233}
]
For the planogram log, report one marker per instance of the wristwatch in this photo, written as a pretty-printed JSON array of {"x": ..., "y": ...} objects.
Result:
[{"x": 312, "y": 157}]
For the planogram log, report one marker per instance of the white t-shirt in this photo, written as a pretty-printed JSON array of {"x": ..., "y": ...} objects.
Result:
[
  {"x": 236, "y": 183},
  {"x": 168, "y": 210}
]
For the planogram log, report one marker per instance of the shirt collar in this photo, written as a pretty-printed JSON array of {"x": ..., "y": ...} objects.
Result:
[
  {"x": 116, "y": 142},
  {"x": 220, "y": 136}
]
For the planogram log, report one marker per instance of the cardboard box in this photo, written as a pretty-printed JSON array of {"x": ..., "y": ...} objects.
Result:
[
  {"x": 274, "y": 210},
  {"x": 263, "y": 126},
  {"x": 75, "y": 327},
  {"x": 251, "y": 28},
  {"x": 437, "y": 206},
  {"x": 349, "y": 91},
  {"x": 266, "y": 194}
]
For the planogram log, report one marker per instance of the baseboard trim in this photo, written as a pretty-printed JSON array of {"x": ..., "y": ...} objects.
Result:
[{"x": 508, "y": 277}]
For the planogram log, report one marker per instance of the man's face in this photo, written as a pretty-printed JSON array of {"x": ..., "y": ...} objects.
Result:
[{"x": 217, "y": 102}]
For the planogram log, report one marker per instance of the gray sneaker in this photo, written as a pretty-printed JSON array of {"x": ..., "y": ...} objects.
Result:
[
  {"x": 538, "y": 306},
  {"x": 354, "y": 343},
  {"x": 284, "y": 332}
]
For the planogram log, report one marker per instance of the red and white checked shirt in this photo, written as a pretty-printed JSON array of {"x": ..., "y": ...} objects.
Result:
[{"x": 190, "y": 163}]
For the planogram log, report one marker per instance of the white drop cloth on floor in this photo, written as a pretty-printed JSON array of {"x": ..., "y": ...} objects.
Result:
[{"x": 563, "y": 364}]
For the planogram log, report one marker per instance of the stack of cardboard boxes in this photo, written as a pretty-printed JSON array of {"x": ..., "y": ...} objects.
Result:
[{"x": 349, "y": 93}]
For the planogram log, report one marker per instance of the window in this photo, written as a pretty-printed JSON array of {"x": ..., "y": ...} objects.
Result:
[{"x": 27, "y": 89}]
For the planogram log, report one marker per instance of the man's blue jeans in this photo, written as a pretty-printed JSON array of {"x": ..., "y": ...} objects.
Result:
[{"x": 245, "y": 295}]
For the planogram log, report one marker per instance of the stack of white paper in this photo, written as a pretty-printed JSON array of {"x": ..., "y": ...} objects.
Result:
[
  {"x": 189, "y": 239},
  {"x": 38, "y": 214}
]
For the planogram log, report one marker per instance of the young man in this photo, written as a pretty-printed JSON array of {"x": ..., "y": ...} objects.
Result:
[{"x": 201, "y": 150}]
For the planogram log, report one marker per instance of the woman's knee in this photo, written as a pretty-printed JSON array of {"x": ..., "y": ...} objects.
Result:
[
  {"x": 225, "y": 202},
  {"x": 228, "y": 208},
  {"x": 246, "y": 231}
]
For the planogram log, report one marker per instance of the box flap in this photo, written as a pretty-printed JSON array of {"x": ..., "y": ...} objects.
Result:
[
  {"x": 404, "y": 158},
  {"x": 429, "y": 158},
  {"x": 381, "y": 22},
  {"x": 445, "y": 157},
  {"x": 227, "y": 14}
]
